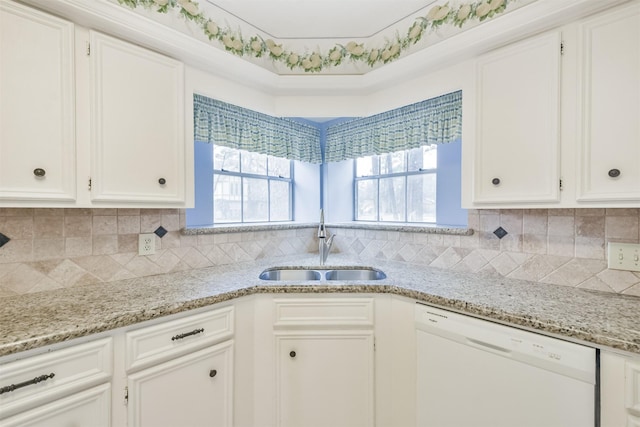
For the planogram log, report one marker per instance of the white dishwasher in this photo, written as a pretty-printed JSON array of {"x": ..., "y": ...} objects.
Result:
[{"x": 476, "y": 373}]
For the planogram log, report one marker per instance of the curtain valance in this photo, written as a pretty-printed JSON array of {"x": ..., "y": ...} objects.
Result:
[
  {"x": 236, "y": 127},
  {"x": 433, "y": 121}
]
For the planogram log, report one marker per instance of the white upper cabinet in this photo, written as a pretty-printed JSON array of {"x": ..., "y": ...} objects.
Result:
[
  {"x": 516, "y": 156},
  {"x": 137, "y": 124},
  {"x": 609, "y": 149},
  {"x": 37, "y": 131}
]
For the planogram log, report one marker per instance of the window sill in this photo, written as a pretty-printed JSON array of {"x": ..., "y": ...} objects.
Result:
[{"x": 360, "y": 225}]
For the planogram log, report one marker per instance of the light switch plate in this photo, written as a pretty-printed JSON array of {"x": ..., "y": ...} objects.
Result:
[{"x": 624, "y": 256}]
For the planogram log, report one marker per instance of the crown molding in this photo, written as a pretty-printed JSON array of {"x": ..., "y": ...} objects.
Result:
[{"x": 113, "y": 19}]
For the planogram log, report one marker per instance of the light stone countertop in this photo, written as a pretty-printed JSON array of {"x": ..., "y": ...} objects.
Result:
[{"x": 603, "y": 320}]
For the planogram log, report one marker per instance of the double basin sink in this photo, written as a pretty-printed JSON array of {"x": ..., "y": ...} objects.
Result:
[{"x": 357, "y": 273}]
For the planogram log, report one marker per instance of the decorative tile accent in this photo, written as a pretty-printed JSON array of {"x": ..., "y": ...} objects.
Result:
[
  {"x": 160, "y": 232},
  {"x": 500, "y": 232},
  {"x": 3, "y": 240}
]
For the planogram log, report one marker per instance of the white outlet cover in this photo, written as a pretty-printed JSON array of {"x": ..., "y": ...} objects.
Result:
[
  {"x": 623, "y": 256},
  {"x": 146, "y": 244}
]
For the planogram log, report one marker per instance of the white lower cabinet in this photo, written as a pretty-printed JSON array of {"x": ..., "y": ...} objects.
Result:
[
  {"x": 192, "y": 390},
  {"x": 324, "y": 378},
  {"x": 88, "y": 408}
]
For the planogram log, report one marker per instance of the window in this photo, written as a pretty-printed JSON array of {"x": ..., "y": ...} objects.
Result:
[
  {"x": 250, "y": 187},
  {"x": 397, "y": 187}
]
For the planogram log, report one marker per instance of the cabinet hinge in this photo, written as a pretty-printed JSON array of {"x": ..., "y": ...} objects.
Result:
[
  {"x": 89, "y": 184},
  {"x": 88, "y": 49},
  {"x": 126, "y": 395},
  {"x": 561, "y": 48},
  {"x": 374, "y": 343},
  {"x": 561, "y": 185}
]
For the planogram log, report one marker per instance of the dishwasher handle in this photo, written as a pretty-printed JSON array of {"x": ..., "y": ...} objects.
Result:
[{"x": 486, "y": 346}]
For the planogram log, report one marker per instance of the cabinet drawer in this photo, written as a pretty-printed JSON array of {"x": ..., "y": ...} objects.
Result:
[
  {"x": 154, "y": 344},
  {"x": 323, "y": 312},
  {"x": 66, "y": 371},
  {"x": 633, "y": 386}
]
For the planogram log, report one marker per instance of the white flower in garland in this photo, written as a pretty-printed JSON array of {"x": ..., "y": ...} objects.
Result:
[{"x": 461, "y": 13}]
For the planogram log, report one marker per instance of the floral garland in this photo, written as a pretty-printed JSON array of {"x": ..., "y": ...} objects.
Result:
[{"x": 256, "y": 47}]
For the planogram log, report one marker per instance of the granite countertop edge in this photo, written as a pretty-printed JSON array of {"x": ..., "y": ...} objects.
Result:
[{"x": 589, "y": 317}]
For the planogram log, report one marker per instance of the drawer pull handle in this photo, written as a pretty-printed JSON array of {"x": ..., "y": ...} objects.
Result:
[
  {"x": 213, "y": 373},
  {"x": 495, "y": 181},
  {"x": 39, "y": 172},
  {"x": 36, "y": 380},
  {"x": 614, "y": 173},
  {"x": 162, "y": 181},
  {"x": 188, "y": 334},
  {"x": 292, "y": 354}
]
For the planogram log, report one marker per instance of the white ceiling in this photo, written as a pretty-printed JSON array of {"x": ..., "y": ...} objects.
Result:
[{"x": 322, "y": 19}]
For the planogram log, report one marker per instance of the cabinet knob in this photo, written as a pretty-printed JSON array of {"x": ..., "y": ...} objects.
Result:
[
  {"x": 162, "y": 181},
  {"x": 39, "y": 172},
  {"x": 213, "y": 373},
  {"x": 495, "y": 181},
  {"x": 614, "y": 173},
  {"x": 292, "y": 353}
]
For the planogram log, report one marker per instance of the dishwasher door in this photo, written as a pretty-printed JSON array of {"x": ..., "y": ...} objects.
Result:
[{"x": 476, "y": 373}]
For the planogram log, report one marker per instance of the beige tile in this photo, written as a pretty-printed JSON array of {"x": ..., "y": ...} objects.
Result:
[
  {"x": 595, "y": 284},
  {"x": 45, "y": 227},
  {"x": 622, "y": 227},
  {"x": 103, "y": 266},
  {"x": 48, "y": 212},
  {"x": 78, "y": 211},
  {"x": 107, "y": 244},
  {"x": 570, "y": 274},
  {"x": 45, "y": 266},
  {"x": 535, "y": 223},
  {"x": 488, "y": 240},
  {"x": 503, "y": 264},
  {"x": 18, "y": 227},
  {"x": 489, "y": 223},
  {"x": 77, "y": 226},
  {"x": 188, "y": 240},
  {"x": 67, "y": 273},
  {"x": 105, "y": 224},
  {"x": 590, "y": 226},
  {"x": 533, "y": 269},
  {"x": 22, "y": 279},
  {"x": 141, "y": 266},
  {"x": 561, "y": 226},
  {"x": 590, "y": 212},
  {"x": 127, "y": 243},
  {"x": 78, "y": 246},
  {"x": 104, "y": 211},
  {"x": 171, "y": 222},
  {"x": 128, "y": 212},
  {"x": 589, "y": 247},
  {"x": 561, "y": 212},
  {"x": 48, "y": 248},
  {"x": 171, "y": 240},
  {"x": 17, "y": 250},
  {"x": 561, "y": 245},
  {"x": 512, "y": 220},
  {"x": 24, "y": 212},
  {"x": 618, "y": 280},
  {"x": 534, "y": 243},
  {"x": 128, "y": 224},
  {"x": 622, "y": 212},
  {"x": 511, "y": 243},
  {"x": 149, "y": 222}
]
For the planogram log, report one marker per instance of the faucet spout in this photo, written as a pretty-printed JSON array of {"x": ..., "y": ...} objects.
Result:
[{"x": 325, "y": 241}]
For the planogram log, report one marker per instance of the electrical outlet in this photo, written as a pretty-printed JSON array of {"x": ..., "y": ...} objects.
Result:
[
  {"x": 147, "y": 244},
  {"x": 624, "y": 256}
]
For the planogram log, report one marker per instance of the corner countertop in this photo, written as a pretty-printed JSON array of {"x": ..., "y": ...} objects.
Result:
[{"x": 599, "y": 319}]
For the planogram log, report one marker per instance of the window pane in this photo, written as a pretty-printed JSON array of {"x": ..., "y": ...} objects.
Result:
[
  {"x": 254, "y": 163},
  {"x": 367, "y": 166},
  {"x": 367, "y": 200},
  {"x": 421, "y": 195},
  {"x": 392, "y": 206},
  {"x": 256, "y": 200},
  {"x": 425, "y": 157},
  {"x": 392, "y": 163},
  {"x": 279, "y": 167},
  {"x": 226, "y": 158},
  {"x": 280, "y": 201},
  {"x": 226, "y": 199}
]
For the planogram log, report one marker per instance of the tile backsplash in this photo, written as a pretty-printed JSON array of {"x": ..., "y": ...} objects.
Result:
[{"x": 55, "y": 248}]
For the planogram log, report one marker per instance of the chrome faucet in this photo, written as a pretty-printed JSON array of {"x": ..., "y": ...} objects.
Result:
[{"x": 324, "y": 243}]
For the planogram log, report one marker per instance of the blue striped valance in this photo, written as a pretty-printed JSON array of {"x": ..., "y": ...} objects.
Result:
[
  {"x": 235, "y": 127},
  {"x": 434, "y": 121}
]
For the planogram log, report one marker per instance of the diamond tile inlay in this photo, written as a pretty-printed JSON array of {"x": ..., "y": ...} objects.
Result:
[
  {"x": 160, "y": 232},
  {"x": 3, "y": 240},
  {"x": 500, "y": 232}
]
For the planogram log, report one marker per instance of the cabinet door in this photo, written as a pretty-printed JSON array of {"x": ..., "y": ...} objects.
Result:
[
  {"x": 37, "y": 135},
  {"x": 324, "y": 378},
  {"x": 137, "y": 125},
  {"x": 192, "y": 390},
  {"x": 517, "y": 140},
  {"x": 610, "y": 130},
  {"x": 87, "y": 408}
]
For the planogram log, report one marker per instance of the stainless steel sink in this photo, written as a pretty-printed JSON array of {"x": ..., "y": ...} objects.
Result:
[
  {"x": 291, "y": 274},
  {"x": 355, "y": 274}
]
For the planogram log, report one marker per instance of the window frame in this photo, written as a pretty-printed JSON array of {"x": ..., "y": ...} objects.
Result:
[
  {"x": 268, "y": 178},
  {"x": 377, "y": 177}
]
